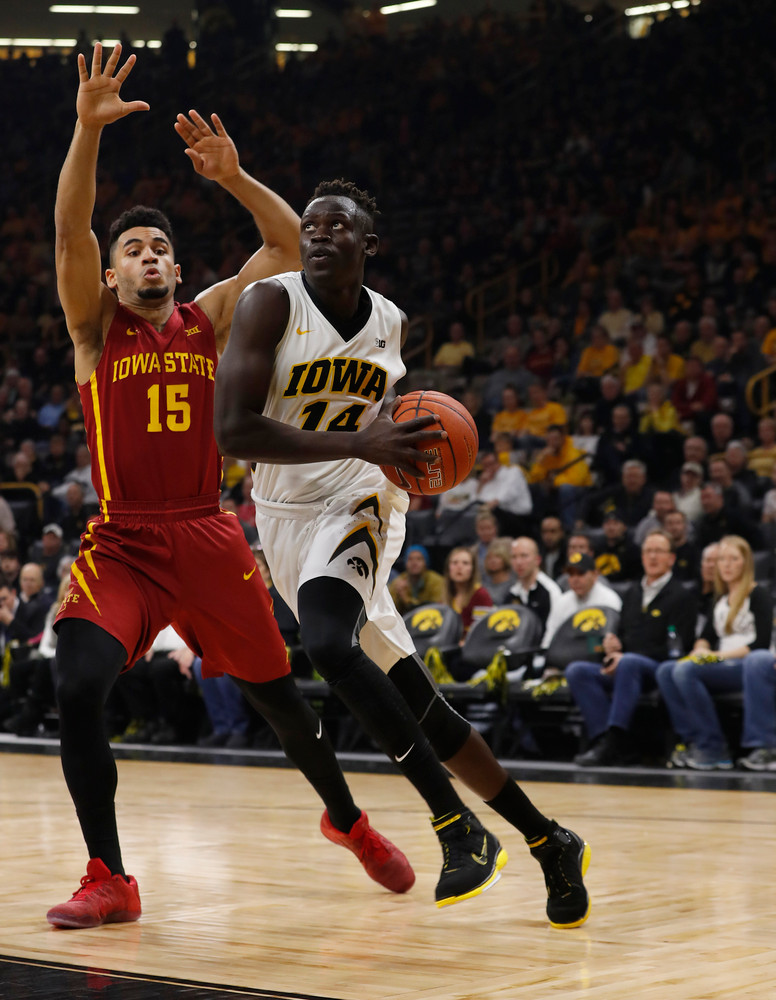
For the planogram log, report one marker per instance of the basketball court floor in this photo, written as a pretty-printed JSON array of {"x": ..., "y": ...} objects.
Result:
[{"x": 242, "y": 896}]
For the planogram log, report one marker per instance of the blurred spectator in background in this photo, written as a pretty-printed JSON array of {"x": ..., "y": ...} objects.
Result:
[
  {"x": 504, "y": 490},
  {"x": 533, "y": 588},
  {"x": 617, "y": 558},
  {"x": 463, "y": 588},
  {"x": 552, "y": 545},
  {"x": 417, "y": 584},
  {"x": 498, "y": 576}
]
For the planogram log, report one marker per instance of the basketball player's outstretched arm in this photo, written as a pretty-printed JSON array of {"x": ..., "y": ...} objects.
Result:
[
  {"x": 85, "y": 299},
  {"x": 242, "y": 382},
  {"x": 214, "y": 155}
]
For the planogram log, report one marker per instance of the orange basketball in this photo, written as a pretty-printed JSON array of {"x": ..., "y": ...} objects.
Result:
[{"x": 456, "y": 453}]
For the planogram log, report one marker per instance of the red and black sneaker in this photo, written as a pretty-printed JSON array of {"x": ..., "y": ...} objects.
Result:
[
  {"x": 102, "y": 899},
  {"x": 382, "y": 861}
]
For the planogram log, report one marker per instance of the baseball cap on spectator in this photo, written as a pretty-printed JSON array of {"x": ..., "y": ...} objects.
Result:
[
  {"x": 580, "y": 562},
  {"x": 53, "y": 528},
  {"x": 693, "y": 467},
  {"x": 614, "y": 515}
]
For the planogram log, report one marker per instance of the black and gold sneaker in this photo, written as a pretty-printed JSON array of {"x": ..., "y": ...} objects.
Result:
[
  {"x": 564, "y": 858},
  {"x": 473, "y": 857}
]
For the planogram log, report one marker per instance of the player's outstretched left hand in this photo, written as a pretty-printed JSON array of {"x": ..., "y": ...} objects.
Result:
[{"x": 210, "y": 149}]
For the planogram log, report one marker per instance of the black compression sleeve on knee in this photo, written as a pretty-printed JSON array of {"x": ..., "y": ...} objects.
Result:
[
  {"x": 88, "y": 662},
  {"x": 330, "y": 615},
  {"x": 445, "y": 729}
]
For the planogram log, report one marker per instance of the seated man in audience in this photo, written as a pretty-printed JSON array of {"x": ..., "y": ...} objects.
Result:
[
  {"x": 632, "y": 496},
  {"x": 552, "y": 546},
  {"x": 687, "y": 498},
  {"x": 617, "y": 559},
  {"x": 662, "y": 505},
  {"x": 560, "y": 476},
  {"x": 534, "y": 589},
  {"x": 737, "y": 459},
  {"x": 510, "y": 372},
  {"x": 540, "y": 415},
  {"x": 719, "y": 519},
  {"x": 617, "y": 444},
  {"x": 417, "y": 584},
  {"x": 450, "y": 356},
  {"x": 687, "y": 565},
  {"x": 504, "y": 491},
  {"x": 694, "y": 395},
  {"x": 578, "y": 542},
  {"x": 585, "y": 591},
  {"x": 608, "y": 695}
]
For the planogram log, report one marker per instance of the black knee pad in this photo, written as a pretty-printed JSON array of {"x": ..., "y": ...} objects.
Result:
[{"x": 331, "y": 615}]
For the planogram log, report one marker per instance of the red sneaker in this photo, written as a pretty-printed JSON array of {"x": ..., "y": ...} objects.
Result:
[
  {"x": 102, "y": 899},
  {"x": 382, "y": 861}
]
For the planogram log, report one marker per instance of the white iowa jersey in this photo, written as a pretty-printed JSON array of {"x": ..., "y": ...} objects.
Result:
[{"x": 322, "y": 382}]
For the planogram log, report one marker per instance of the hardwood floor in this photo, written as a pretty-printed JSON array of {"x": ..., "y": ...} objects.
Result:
[{"x": 241, "y": 891}]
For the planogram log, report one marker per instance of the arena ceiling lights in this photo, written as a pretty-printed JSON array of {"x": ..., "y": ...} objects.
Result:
[
  {"x": 87, "y": 8},
  {"x": 400, "y": 8},
  {"x": 659, "y": 8}
]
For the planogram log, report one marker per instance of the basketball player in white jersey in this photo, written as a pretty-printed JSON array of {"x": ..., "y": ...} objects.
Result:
[{"x": 303, "y": 389}]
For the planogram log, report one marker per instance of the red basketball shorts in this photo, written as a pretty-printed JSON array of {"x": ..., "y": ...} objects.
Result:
[{"x": 137, "y": 572}]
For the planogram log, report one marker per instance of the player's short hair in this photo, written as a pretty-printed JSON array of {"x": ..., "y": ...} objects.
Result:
[
  {"x": 138, "y": 215},
  {"x": 347, "y": 189}
]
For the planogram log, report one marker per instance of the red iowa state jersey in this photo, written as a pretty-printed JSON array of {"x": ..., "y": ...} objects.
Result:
[{"x": 148, "y": 409}]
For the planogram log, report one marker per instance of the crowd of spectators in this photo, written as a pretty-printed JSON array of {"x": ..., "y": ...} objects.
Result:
[{"x": 610, "y": 400}]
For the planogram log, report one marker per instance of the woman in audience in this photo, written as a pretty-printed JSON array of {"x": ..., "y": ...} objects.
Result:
[
  {"x": 463, "y": 590},
  {"x": 498, "y": 576},
  {"x": 731, "y": 654}
]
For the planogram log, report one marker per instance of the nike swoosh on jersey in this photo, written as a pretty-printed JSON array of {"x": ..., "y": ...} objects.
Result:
[
  {"x": 400, "y": 759},
  {"x": 320, "y": 730},
  {"x": 247, "y": 576},
  {"x": 300, "y": 331}
]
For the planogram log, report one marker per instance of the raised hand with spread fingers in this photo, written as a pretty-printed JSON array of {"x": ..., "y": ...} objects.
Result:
[{"x": 98, "y": 102}]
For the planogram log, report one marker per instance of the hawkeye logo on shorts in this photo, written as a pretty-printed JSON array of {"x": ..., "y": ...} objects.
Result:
[
  {"x": 589, "y": 620},
  {"x": 359, "y": 566},
  {"x": 360, "y": 535},
  {"x": 505, "y": 620}
]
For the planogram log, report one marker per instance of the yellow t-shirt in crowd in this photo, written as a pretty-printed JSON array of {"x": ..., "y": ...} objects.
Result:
[
  {"x": 538, "y": 420},
  {"x": 596, "y": 361}
]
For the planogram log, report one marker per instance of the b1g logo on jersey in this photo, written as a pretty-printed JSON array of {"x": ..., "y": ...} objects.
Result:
[{"x": 379, "y": 343}]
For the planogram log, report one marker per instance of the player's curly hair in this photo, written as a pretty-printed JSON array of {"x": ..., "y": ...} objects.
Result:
[
  {"x": 138, "y": 215},
  {"x": 347, "y": 189}
]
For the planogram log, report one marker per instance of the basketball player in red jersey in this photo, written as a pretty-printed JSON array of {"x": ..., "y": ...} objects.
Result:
[
  {"x": 315, "y": 353},
  {"x": 161, "y": 551}
]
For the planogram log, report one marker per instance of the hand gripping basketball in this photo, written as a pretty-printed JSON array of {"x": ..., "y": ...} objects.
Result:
[{"x": 455, "y": 455}]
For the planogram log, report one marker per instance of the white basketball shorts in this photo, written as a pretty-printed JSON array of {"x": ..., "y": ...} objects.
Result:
[{"x": 356, "y": 538}]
